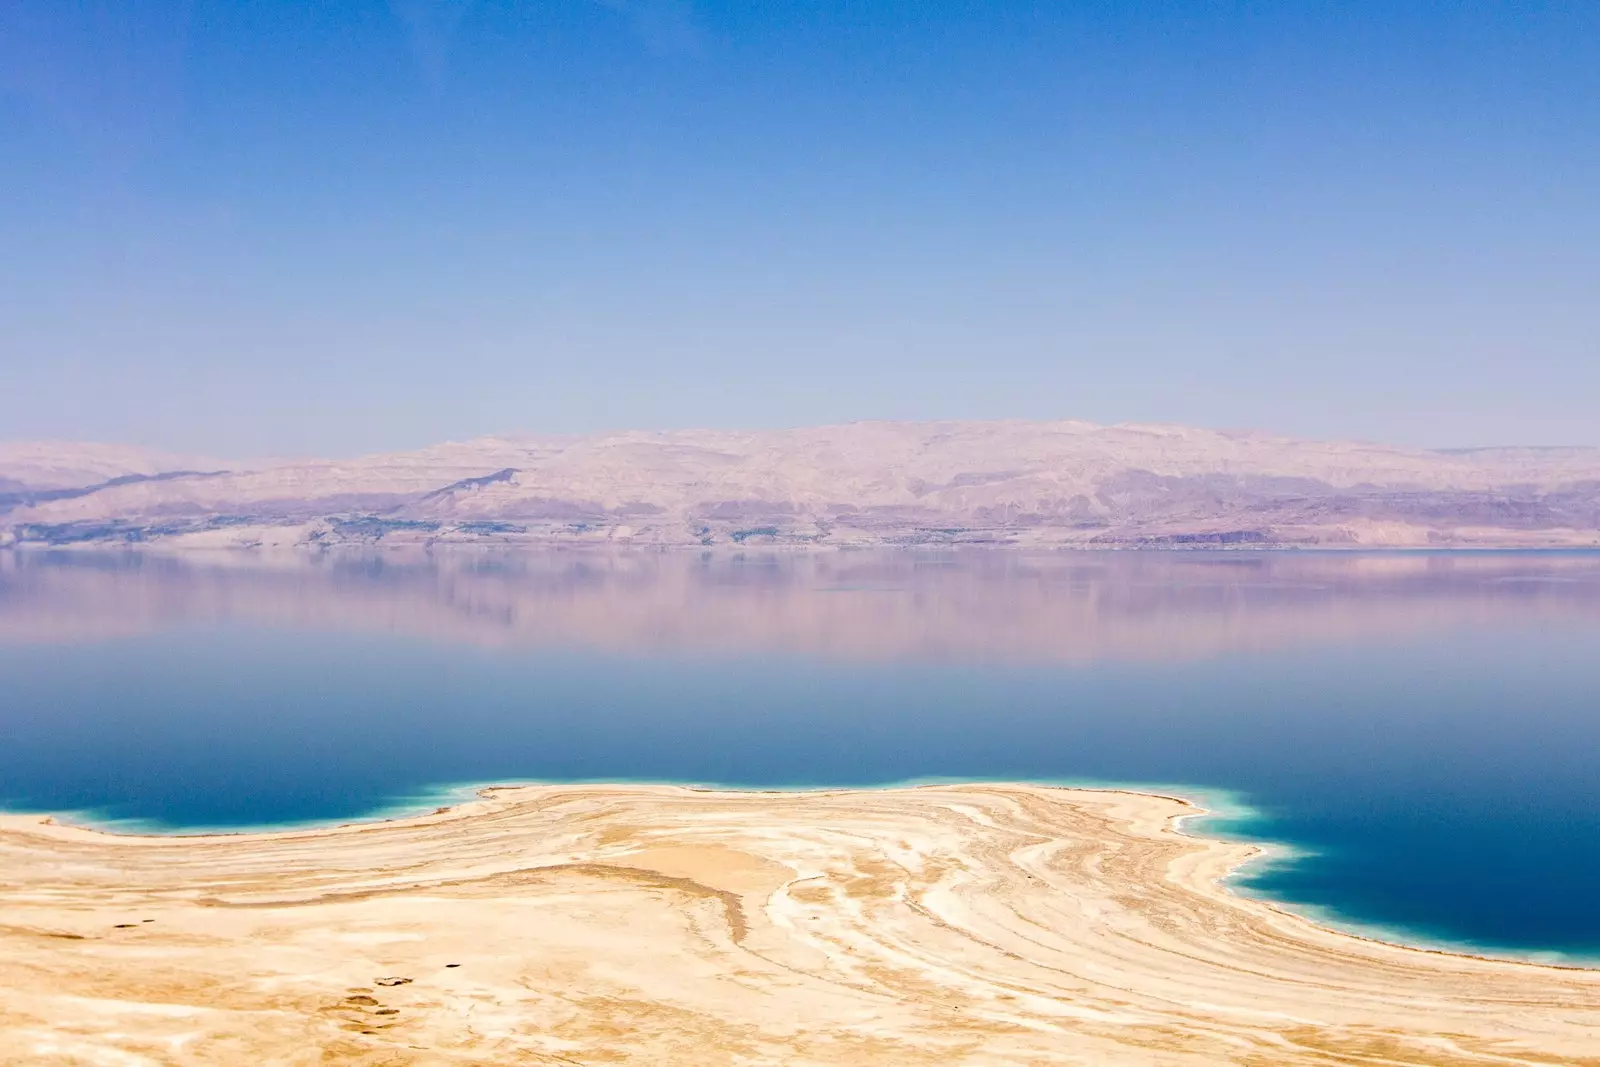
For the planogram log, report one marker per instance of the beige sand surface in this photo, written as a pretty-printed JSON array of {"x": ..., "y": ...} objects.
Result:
[{"x": 658, "y": 925}]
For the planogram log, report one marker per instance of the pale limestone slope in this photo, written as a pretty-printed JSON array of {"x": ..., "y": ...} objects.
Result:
[
  {"x": 1061, "y": 482},
  {"x": 71, "y": 464}
]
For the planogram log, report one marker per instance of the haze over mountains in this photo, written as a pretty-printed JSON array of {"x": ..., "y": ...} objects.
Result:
[{"x": 999, "y": 483}]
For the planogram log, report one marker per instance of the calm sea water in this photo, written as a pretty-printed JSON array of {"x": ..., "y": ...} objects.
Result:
[{"x": 1422, "y": 729}]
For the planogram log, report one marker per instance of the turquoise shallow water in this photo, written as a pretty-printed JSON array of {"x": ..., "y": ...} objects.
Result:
[{"x": 1420, "y": 731}]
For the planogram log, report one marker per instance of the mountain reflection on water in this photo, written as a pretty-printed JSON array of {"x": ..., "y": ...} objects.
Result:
[
  {"x": 1422, "y": 727},
  {"x": 982, "y": 605}
]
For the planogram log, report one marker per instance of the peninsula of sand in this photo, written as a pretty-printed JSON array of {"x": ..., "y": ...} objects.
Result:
[{"x": 971, "y": 924}]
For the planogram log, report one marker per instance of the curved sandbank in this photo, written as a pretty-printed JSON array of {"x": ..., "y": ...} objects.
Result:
[{"x": 577, "y": 924}]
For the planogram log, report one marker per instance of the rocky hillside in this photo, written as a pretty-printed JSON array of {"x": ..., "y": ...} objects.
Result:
[{"x": 1024, "y": 483}]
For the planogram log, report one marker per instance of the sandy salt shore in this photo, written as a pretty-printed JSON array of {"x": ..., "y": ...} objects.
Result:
[{"x": 658, "y": 925}]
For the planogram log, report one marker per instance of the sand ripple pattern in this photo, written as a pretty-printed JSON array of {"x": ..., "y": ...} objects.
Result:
[{"x": 973, "y": 924}]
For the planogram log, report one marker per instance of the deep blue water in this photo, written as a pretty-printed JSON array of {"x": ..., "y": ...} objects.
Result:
[{"x": 1425, "y": 730}]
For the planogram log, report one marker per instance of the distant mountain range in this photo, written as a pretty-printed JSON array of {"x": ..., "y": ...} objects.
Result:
[{"x": 996, "y": 483}]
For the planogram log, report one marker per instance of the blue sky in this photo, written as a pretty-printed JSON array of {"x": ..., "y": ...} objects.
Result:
[{"x": 337, "y": 226}]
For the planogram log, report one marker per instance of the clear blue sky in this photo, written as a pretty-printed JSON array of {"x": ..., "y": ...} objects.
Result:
[{"x": 337, "y": 226}]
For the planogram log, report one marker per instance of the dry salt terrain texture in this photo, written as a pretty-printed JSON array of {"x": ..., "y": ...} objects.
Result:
[
  {"x": 1026, "y": 483},
  {"x": 969, "y": 924}
]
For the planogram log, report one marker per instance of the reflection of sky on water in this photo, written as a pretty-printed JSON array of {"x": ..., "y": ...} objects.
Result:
[{"x": 1425, "y": 727}]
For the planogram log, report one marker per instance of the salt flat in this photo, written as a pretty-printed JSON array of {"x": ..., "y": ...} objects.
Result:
[{"x": 970, "y": 924}]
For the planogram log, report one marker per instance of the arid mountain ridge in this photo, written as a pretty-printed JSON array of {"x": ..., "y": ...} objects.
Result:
[{"x": 1070, "y": 484}]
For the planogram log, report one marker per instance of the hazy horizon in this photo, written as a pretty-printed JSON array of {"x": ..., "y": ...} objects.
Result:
[
  {"x": 358, "y": 451},
  {"x": 272, "y": 230}
]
